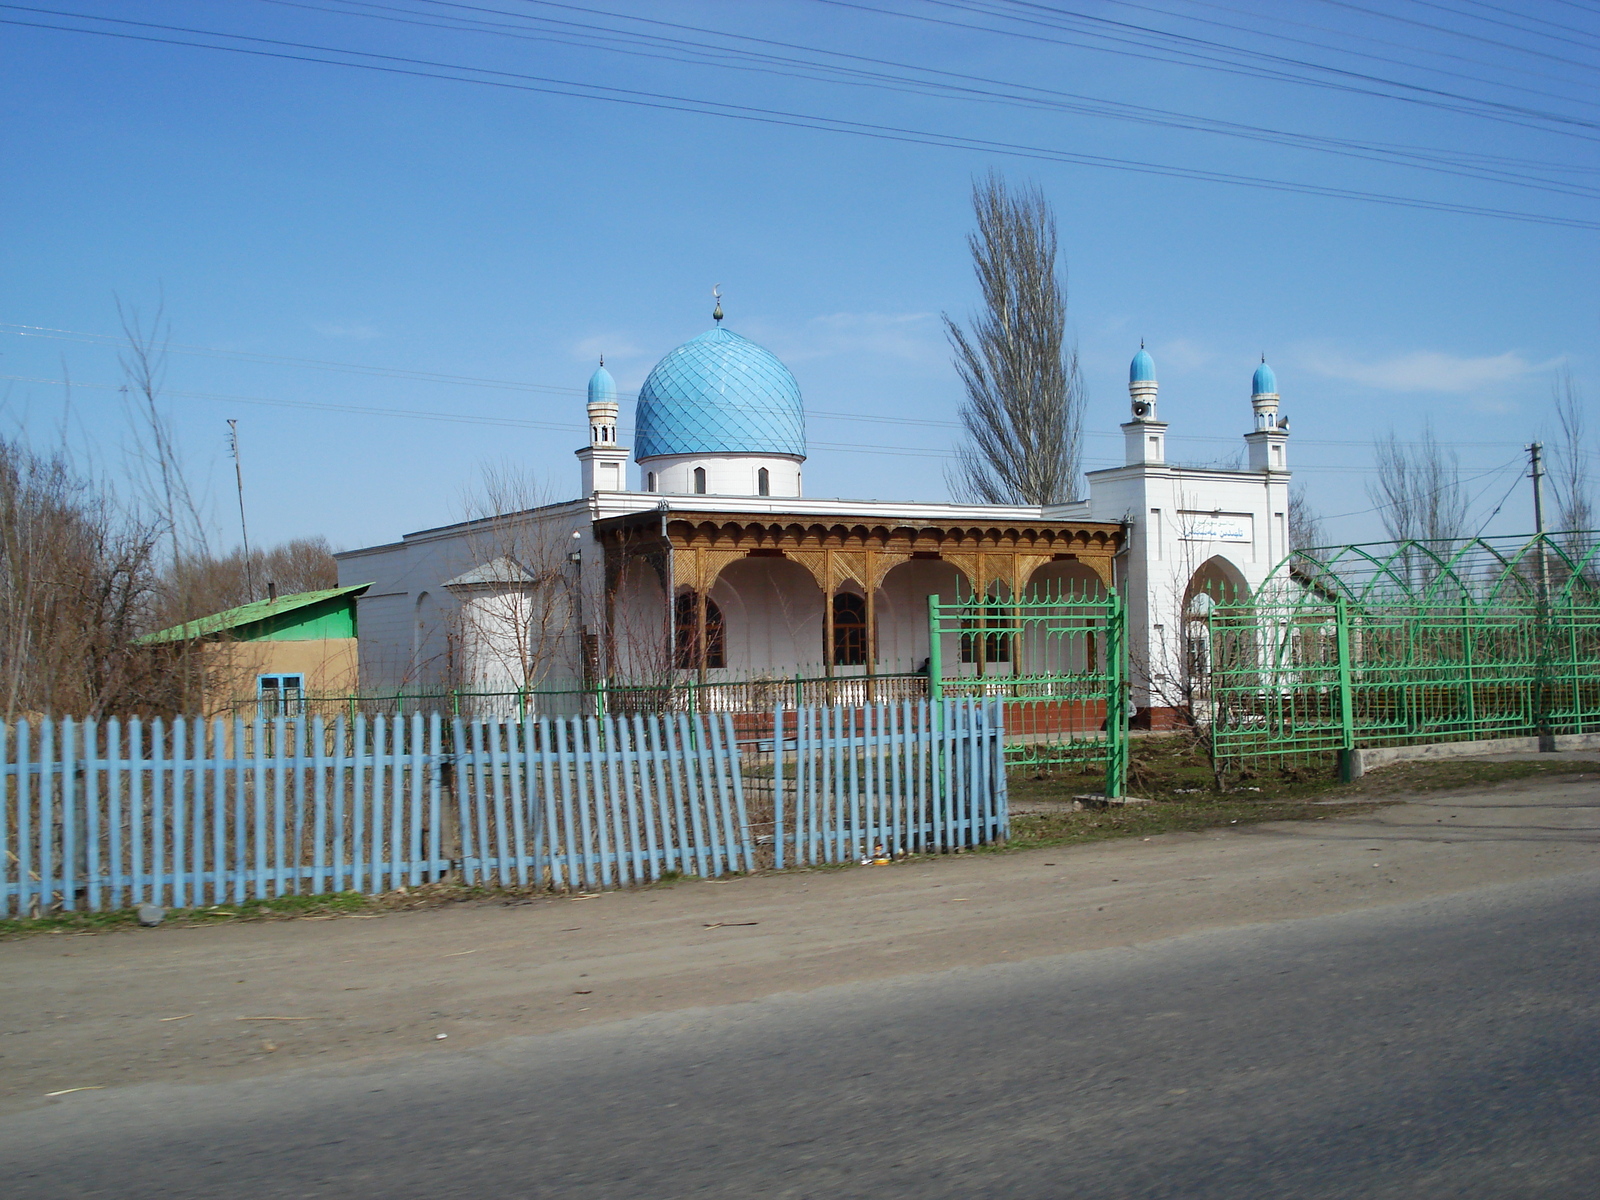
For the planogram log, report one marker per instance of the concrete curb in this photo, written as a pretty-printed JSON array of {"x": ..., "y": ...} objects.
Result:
[{"x": 1366, "y": 760}]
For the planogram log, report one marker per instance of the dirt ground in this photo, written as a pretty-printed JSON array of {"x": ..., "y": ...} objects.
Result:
[{"x": 201, "y": 1004}]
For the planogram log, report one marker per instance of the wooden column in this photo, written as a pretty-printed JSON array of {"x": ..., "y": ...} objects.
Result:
[
  {"x": 1019, "y": 637},
  {"x": 701, "y": 649},
  {"x": 827, "y": 613},
  {"x": 871, "y": 589},
  {"x": 700, "y": 612},
  {"x": 980, "y": 647}
]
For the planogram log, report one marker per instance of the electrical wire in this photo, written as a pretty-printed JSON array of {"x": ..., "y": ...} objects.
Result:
[
  {"x": 1412, "y": 49},
  {"x": 1499, "y": 506},
  {"x": 1431, "y": 492},
  {"x": 1266, "y": 66},
  {"x": 1500, "y": 44},
  {"x": 516, "y": 81},
  {"x": 577, "y": 427},
  {"x": 1051, "y": 10},
  {"x": 1583, "y": 33},
  {"x": 109, "y": 341},
  {"x": 1516, "y": 173}
]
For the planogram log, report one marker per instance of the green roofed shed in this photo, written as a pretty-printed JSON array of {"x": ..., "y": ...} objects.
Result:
[{"x": 302, "y": 617}]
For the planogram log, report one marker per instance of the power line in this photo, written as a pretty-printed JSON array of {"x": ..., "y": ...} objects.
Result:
[
  {"x": 1513, "y": 172},
  {"x": 1270, "y": 66},
  {"x": 1445, "y": 29},
  {"x": 576, "y": 428},
  {"x": 1410, "y": 48},
  {"x": 1515, "y": 462},
  {"x": 1515, "y": 480},
  {"x": 1525, "y": 16},
  {"x": 752, "y": 113},
  {"x": 115, "y": 342},
  {"x": 109, "y": 341},
  {"x": 1087, "y": 18}
]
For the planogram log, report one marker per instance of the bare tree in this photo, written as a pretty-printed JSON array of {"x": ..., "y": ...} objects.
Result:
[
  {"x": 1023, "y": 414},
  {"x": 1419, "y": 492},
  {"x": 1575, "y": 512},
  {"x": 1305, "y": 524},
  {"x": 76, "y": 574},
  {"x": 200, "y": 583},
  {"x": 158, "y": 467},
  {"x": 1575, "y": 509}
]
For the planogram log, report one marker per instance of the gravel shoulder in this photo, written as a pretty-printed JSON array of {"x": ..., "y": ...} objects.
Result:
[{"x": 205, "y": 1004}]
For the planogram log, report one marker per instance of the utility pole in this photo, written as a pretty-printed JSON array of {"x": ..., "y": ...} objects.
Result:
[
  {"x": 1536, "y": 473},
  {"x": 238, "y": 477}
]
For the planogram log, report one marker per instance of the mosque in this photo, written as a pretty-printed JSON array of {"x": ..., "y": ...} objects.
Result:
[{"x": 705, "y": 560}]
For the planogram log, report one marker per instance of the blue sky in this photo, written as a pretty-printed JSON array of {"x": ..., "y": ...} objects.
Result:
[{"x": 284, "y": 210}]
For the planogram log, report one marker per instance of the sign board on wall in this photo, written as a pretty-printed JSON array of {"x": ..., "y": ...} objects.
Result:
[{"x": 1216, "y": 527}]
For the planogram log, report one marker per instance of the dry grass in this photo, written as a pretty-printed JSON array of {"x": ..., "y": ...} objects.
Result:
[{"x": 1173, "y": 773}]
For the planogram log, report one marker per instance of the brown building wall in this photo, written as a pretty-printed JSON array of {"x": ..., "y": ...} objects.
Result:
[{"x": 328, "y": 665}]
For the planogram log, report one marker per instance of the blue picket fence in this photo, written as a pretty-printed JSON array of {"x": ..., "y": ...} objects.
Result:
[
  {"x": 189, "y": 813},
  {"x": 886, "y": 780}
]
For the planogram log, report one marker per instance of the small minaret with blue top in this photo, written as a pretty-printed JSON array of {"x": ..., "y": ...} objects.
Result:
[
  {"x": 1194, "y": 533},
  {"x": 1269, "y": 440},
  {"x": 1146, "y": 434},
  {"x": 604, "y": 462}
]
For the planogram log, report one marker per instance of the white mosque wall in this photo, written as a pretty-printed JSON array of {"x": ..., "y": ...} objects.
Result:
[
  {"x": 1179, "y": 519},
  {"x": 639, "y": 642},
  {"x": 726, "y": 474},
  {"x": 902, "y": 610},
  {"x": 772, "y": 616},
  {"x": 413, "y": 629},
  {"x": 404, "y": 620}
]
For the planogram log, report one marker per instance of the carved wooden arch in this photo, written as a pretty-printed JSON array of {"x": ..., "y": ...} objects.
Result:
[{"x": 1101, "y": 568}]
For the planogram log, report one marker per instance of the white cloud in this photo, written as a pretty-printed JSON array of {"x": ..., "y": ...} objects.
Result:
[
  {"x": 358, "y": 332},
  {"x": 911, "y": 337},
  {"x": 1424, "y": 370}
]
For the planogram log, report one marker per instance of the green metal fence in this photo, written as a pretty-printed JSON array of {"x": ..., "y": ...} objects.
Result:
[
  {"x": 760, "y": 694},
  {"x": 1058, "y": 662},
  {"x": 1388, "y": 644}
]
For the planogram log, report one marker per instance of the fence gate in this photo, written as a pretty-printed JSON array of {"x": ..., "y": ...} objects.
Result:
[{"x": 1058, "y": 665}]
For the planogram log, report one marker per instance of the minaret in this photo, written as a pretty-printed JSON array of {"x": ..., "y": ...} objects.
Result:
[
  {"x": 1269, "y": 440},
  {"x": 1146, "y": 434},
  {"x": 604, "y": 462}
]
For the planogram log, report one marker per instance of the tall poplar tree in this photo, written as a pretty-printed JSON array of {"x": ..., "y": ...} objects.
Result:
[{"x": 1023, "y": 413}]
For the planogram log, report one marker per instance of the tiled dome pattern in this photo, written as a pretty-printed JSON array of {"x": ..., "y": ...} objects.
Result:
[{"x": 719, "y": 394}]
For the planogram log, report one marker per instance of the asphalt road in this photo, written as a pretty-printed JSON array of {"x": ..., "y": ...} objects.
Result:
[{"x": 1443, "y": 1048}]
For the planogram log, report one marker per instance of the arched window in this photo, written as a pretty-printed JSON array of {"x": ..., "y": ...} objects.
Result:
[
  {"x": 699, "y": 481},
  {"x": 763, "y": 482},
  {"x": 849, "y": 630},
  {"x": 687, "y": 643},
  {"x": 650, "y": 482}
]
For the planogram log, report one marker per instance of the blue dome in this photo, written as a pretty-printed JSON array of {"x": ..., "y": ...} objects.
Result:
[
  {"x": 719, "y": 394},
  {"x": 1142, "y": 369},
  {"x": 602, "y": 387},
  {"x": 1265, "y": 382}
]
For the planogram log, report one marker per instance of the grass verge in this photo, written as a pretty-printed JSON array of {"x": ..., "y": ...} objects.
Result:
[
  {"x": 1174, "y": 775},
  {"x": 282, "y": 908}
]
